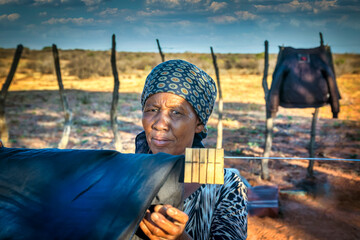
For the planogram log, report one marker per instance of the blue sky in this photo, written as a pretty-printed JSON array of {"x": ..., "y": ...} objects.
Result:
[{"x": 236, "y": 26}]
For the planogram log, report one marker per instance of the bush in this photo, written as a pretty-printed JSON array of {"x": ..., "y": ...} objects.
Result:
[
  {"x": 89, "y": 64},
  {"x": 45, "y": 65},
  {"x": 85, "y": 64},
  {"x": 346, "y": 63}
]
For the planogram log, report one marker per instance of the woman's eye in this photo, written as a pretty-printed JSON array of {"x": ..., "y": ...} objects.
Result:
[
  {"x": 176, "y": 112},
  {"x": 150, "y": 110}
]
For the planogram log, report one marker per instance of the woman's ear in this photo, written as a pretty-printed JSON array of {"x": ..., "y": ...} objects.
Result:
[{"x": 199, "y": 127}]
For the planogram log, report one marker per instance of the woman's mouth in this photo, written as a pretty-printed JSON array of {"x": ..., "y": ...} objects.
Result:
[{"x": 160, "y": 142}]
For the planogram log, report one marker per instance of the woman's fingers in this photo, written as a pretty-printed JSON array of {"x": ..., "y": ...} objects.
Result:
[
  {"x": 150, "y": 228},
  {"x": 170, "y": 219},
  {"x": 165, "y": 228},
  {"x": 179, "y": 216},
  {"x": 144, "y": 224},
  {"x": 144, "y": 228},
  {"x": 154, "y": 230},
  {"x": 173, "y": 213},
  {"x": 165, "y": 222}
]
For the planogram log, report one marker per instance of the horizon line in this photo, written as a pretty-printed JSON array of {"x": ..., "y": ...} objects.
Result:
[{"x": 172, "y": 52}]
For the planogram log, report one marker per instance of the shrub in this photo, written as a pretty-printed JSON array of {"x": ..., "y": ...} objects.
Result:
[{"x": 86, "y": 64}]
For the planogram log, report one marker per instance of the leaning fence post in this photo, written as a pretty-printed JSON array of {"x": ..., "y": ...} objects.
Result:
[
  {"x": 67, "y": 112},
  {"x": 161, "y": 53},
  {"x": 219, "y": 126},
  {"x": 321, "y": 39},
  {"x": 115, "y": 99},
  {"x": 310, "y": 169},
  {"x": 4, "y": 131},
  {"x": 269, "y": 119}
]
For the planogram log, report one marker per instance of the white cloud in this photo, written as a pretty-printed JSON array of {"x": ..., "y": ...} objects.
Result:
[
  {"x": 149, "y": 12},
  {"x": 344, "y": 22},
  {"x": 184, "y": 23},
  {"x": 2, "y": 2},
  {"x": 324, "y": 5},
  {"x": 296, "y": 5},
  {"x": 13, "y": 16},
  {"x": 42, "y": 14},
  {"x": 130, "y": 19},
  {"x": 31, "y": 27},
  {"x": 295, "y": 22},
  {"x": 239, "y": 15},
  {"x": 48, "y": 2},
  {"x": 40, "y": 2},
  {"x": 269, "y": 25},
  {"x": 77, "y": 21},
  {"x": 10, "y": 17},
  {"x": 92, "y": 8},
  {"x": 88, "y": 3},
  {"x": 216, "y": 6},
  {"x": 109, "y": 11},
  {"x": 189, "y": 5},
  {"x": 223, "y": 19},
  {"x": 292, "y": 6},
  {"x": 91, "y": 2},
  {"x": 316, "y": 24},
  {"x": 170, "y": 3},
  {"x": 245, "y": 15},
  {"x": 143, "y": 31}
]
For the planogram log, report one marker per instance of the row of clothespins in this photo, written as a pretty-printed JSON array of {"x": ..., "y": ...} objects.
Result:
[{"x": 204, "y": 166}]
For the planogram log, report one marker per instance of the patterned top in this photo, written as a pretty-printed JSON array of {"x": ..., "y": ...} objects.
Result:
[
  {"x": 215, "y": 211},
  {"x": 218, "y": 211}
]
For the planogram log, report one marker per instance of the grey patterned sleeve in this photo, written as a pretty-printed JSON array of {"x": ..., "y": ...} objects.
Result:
[{"x": 230, "y": 215}]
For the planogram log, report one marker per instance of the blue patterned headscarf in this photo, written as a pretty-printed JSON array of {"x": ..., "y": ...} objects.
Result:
[{"x": 185, "y": 80}]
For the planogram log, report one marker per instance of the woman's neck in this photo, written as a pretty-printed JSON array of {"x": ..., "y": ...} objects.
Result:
[{"x": 190, "y": 188}]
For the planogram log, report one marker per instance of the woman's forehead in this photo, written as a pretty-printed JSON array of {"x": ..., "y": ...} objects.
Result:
[{"x": 168, "y": 100}]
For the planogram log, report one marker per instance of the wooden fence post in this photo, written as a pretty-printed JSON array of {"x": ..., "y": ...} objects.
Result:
[
  {"x": 321, "y": 39},
  {"x": 4, "y": 131},
  {"x": 67, "y": 112},
  {"x": 310, "y": 171},
  {"x": 310, "y": 168},
  {"x": 161, "y": 53},
  {"x": 269, "y": 119},
  {"x": 115, "y": 99},
  {"x": 219, "y": 139}
]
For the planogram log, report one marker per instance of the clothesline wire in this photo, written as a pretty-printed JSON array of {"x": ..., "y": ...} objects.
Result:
[{"x": 289, "y": 158}]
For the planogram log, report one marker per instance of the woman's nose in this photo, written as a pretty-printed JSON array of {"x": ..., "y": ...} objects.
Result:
[{"x": 162, "y": 121}]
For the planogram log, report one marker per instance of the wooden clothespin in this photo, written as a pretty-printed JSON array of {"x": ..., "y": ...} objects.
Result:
[{"x": 204, "y": 165}]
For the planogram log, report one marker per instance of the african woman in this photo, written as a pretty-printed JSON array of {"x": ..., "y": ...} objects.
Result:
[{"x": 177, "y": 101}]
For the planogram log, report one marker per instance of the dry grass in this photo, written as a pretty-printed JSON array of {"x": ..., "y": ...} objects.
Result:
[
  {"x": 236, "y": 88},
  {"x": 84, "y": 64}
]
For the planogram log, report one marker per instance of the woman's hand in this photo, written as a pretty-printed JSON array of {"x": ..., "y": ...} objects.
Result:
[{"x": 166, "y": 222}]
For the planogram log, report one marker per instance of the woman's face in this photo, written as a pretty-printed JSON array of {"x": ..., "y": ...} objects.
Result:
[{"x": 170, "y": 123}]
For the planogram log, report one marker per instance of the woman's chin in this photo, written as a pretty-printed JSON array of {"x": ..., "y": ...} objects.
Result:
[{"x": 168, "y": 150}]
